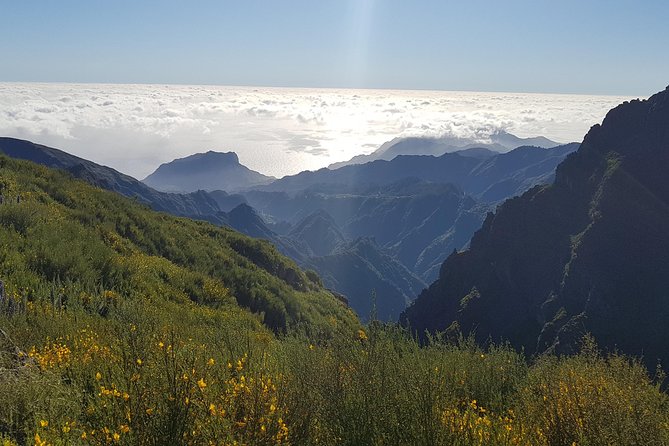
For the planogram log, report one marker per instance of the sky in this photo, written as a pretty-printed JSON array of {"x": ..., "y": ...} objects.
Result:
[{"x": 611, "y": 47}]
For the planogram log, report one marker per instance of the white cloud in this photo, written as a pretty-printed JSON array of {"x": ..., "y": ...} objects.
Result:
[{"x": 276, "y": 131}]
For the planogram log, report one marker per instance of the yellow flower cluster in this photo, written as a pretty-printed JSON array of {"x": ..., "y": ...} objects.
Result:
[
  {"x": 113, "y": 392},
  {"x": 53, "y": 354},
  {"x": 474, "y": 424}
]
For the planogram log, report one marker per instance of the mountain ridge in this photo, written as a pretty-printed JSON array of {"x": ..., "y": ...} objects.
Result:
[
  {"x": 499, "y": 142},
  {"x": 195, "y": 205},
  {"x": 587, "y": 254}
]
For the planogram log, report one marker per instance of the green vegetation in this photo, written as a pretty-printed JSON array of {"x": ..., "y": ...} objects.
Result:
[
  {"x": 79, "y": 245},
  {"x": 124, "y": 326}
]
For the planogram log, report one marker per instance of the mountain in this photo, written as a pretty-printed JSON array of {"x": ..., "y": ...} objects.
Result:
[
  {"x": 499, "y": 141},
  {"x": 225, "y": 201},
  {"x": 513, "y": 171},
  {"x": 510, "y": 141},
  {"x": 505, "y": 175},
  {"x": 66, "y": 232},
  {"x": 589, "y": 253},
  {"x": 476, "y": 152},
  {"x": 360, "y": 271},
  {"x": 404, "y": 218},
  {"x": 195, "y": 205},
  {"x": 208, "y": 171},
  {"x": 353, "y": 269},
  {"x": 424, "y": 216},
  {"x": 246, "y": 220},
  {"x": 319, "y": 232}
]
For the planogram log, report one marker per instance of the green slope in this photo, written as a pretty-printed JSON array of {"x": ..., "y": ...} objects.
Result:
[{"x": 64, "y": 231}]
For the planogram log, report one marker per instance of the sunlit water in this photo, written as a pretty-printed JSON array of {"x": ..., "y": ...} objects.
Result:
[{"x": 276, "y": 131}]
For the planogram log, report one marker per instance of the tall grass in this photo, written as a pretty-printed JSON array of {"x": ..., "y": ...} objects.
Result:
[{"x": 175, "y": 374}]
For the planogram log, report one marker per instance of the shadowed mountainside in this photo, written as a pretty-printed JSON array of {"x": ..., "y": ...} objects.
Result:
[{"x": 589, "y": 253}]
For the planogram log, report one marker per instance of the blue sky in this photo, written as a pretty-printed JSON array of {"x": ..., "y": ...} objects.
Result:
[{"x": 591, "y": 47}]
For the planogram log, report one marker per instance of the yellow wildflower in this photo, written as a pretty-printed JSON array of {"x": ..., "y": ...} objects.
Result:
[{"x": 39, "y": 441}]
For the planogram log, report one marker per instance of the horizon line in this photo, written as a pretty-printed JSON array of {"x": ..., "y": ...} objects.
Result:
[{"x": 179, "y": 84}]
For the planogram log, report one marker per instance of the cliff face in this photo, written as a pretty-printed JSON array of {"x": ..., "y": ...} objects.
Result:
[{"x": 589, "y": 253}]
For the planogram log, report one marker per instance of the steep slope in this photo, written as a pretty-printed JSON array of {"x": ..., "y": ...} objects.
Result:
[
  {"x": 56, "y": 230},
  {"x": 405, "y": 218},
  {"x": 588, "y": 254},
  {"x": 353, "y": 269},
  {"x": 246, "y": 220},
  {"x": 319, "y": 232},
  {"x": 208, "y": 171},
  {"x": 508, "y": 174},
  {"x": 196, "y": 205},
  {"x": 360, "y": 270}
]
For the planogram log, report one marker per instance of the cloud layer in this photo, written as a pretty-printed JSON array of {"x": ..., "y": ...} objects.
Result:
[{"x": 276, "y": 131}]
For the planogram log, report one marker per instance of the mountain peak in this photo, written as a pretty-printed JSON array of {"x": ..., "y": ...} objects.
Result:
[
  {"x": 209, "y": 170},
  {"x": 230, "y": 157},
  {"x": 587, "y": 254},
  {"x": 208, "y": 160}
]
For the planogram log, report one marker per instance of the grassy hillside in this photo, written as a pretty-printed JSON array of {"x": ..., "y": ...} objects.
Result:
[
  {"x": 79, "y": 245},
  {"x": 119, "y": 325}
]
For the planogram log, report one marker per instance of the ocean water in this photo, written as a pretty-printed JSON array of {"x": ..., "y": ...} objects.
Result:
[{"x": 276, "y": 131}]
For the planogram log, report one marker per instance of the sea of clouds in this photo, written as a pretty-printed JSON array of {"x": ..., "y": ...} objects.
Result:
[{"x": 276, "y": 131}]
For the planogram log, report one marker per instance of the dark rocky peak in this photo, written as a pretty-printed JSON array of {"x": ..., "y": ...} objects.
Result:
[
  {"x": 633, "y": 128},
  {"x": 635, "y": 133},
  {"x": 245, "y": 211},
  {"x": 588, "y": 254}
]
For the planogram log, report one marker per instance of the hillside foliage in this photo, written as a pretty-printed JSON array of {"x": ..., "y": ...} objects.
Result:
[{"x": 124, "y": 326}]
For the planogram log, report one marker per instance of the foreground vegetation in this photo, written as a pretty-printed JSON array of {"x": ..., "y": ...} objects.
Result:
[
  {"x": 123, "y": 326},
  {"x": 192, "y": 375}
]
